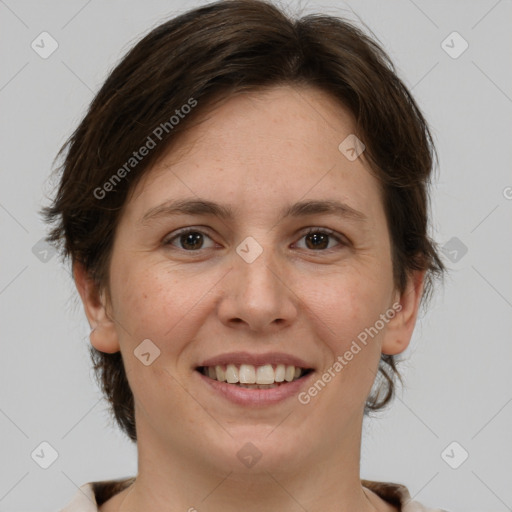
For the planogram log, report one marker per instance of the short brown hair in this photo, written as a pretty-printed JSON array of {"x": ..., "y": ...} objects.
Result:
[{"x": 216, "y": 51}]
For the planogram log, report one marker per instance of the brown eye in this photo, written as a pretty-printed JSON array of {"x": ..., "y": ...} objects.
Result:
[
  {"x": 319, "y": 239},
  {"x": 188, "y": 240}
]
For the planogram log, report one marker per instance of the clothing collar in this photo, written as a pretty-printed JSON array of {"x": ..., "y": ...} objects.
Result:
[{"x": 92, "y": 494}]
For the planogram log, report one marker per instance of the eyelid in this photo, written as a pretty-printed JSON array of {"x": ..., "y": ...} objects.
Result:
[
  {"x": 189, "y": 229},
  {"x": 340, "y": 238}
]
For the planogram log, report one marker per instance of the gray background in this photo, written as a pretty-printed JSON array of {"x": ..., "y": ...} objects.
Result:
[{"x": 457, "y": 370}]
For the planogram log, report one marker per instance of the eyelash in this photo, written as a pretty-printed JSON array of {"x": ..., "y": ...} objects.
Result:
[{"x": 310, "y": 231}]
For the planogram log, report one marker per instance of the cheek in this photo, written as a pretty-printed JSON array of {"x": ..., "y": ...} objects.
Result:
[
  {"x": 157, "y": 301},
  {"x": 153, "y": 304},
  {"x": 345, "y": 312},
  {"x": 346, "y": 304},
  {"x": 348, "y": 311},
  {"x": 149, "y": 304}
]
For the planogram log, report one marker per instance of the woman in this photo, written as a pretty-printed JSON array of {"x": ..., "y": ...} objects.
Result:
[{"x": 245, "y": 208}]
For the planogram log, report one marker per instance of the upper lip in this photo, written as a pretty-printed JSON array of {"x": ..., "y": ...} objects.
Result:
[{"x": 238, "y": 358}]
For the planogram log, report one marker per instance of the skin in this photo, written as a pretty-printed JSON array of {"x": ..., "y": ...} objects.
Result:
[{"x": 256, "y": 152}]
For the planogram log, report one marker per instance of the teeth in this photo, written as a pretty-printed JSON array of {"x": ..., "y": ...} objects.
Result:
[
  {"x": 250, "y": 376},
  {"x": 220, "y": 374},
  {"x": 231, "y": 374},
  {"x": 280, "y": 372},
  {"x": 265, "y": 374},
  {"x": 258, "y": 386},
  {"x": 247, "y": 374},
  {"x": 290, "y": 372}
]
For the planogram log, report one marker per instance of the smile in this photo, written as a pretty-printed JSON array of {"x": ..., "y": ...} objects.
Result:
[
  {"x": 249, "y": 376},
  {"x": 254, "y": 386}
]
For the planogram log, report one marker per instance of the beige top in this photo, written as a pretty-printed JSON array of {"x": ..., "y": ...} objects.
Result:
[{"x": 92, "y": 494}]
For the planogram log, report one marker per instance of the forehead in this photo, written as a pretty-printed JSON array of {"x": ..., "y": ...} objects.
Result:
[
  {"x": 269, "y": 122},
  {"x": 262, "y": 149}
]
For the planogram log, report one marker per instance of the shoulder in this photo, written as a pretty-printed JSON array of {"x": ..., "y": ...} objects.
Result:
[
  {"x": 397, "y": 495},
  {"x": 92, "y": 494}
]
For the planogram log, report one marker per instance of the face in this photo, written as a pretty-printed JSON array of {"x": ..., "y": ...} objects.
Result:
[{"x": 277, "y": 279}]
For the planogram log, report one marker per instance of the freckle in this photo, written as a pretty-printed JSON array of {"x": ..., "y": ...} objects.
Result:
[{"x": 144, "y": 295}]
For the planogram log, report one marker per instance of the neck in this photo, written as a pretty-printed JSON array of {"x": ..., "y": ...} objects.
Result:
[
  {"x": 328, "y": 482},
  {"x": 190, "y": 490}
]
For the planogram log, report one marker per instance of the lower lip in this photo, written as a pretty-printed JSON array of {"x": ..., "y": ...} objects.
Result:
[{"x": 256, "y": 397}]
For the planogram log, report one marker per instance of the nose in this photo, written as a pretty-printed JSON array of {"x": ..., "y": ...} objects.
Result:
[{"x": 258, "y": 296}]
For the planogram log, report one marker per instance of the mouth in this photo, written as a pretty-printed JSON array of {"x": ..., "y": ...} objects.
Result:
[
  {"x": 248, "y": 376},
  {"x": 254, "y": 380}
]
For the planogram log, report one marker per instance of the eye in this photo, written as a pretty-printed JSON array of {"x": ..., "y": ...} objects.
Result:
[
  {"x": 318, "y": 239},
  {"x": 191, "y": 239}
]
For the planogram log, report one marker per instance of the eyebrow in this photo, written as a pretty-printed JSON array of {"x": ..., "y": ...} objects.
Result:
[{"x": 193, "y": 206}]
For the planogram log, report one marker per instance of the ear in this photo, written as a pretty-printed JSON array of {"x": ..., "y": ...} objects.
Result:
[
  {"x": 400, "y": 328},
  {"x": 104, "y": 335}
]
